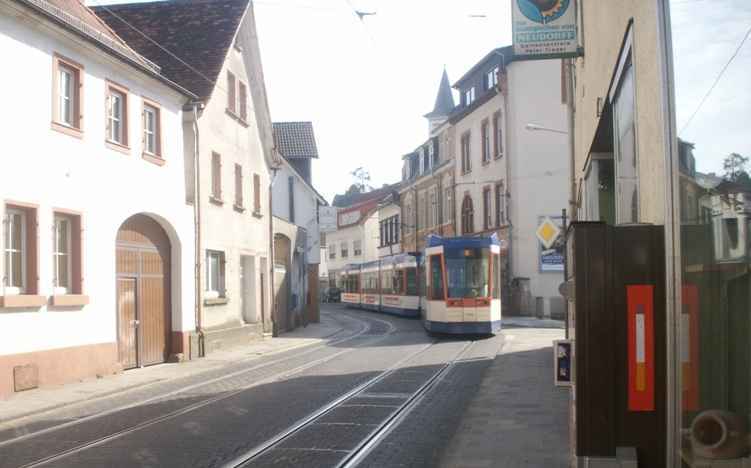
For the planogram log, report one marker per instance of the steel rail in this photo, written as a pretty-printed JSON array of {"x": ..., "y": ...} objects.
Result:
[
  {"x": 371, "y": 440},
  {"x": 153, "y": 421}
]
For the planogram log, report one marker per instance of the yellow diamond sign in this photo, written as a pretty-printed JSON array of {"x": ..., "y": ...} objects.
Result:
[{"x": 547, "y": 232}]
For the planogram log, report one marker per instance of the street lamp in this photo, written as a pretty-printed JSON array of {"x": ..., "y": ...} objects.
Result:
[{"x": 540, "y": 128}]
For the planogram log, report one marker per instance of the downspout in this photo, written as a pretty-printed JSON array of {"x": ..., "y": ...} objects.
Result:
[
  {"x": 272, "y": 296},
  {"x": 507, "y": 195},
  {"x": 197, "y": 233}
]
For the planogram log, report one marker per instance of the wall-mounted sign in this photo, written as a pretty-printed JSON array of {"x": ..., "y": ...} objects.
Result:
[
  {"x": 551, "y": 240},
  {"x": 327, "y": 218},
  {"x": 544, "y": 29},
  {"x": 563, "y": 359}
]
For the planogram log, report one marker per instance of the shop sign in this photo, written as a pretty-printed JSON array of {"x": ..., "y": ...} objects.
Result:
[
  {"x": 562, "y": 357},
  {"x": 544, "y": 29},
  {"x": 327, "y": 218}
]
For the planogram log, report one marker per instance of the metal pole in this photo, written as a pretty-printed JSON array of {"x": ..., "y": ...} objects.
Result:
[{"x": 565, "y": 264}]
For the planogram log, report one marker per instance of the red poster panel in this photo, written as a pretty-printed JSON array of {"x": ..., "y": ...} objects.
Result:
[
  {"x": 641, "y": 368},
  {"x": 689, "y": 347}
]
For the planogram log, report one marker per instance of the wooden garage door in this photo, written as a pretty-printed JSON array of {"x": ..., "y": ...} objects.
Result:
[{"x": 143, "y": 278}]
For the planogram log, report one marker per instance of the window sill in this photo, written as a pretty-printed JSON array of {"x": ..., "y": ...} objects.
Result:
[
  {"x": 237, "y": 118},
  {"x": 238, "y": 208},
  {"x": 257, "y": 214},
  {"x": 22, "y": 301},
  {"x": 117, "y": 147},
  {"x": 68, "y": 130},
  {"x": 216, "y": 201},
  {"x": 500, "y": 156},
  {"x": 486, "y": 162},
  {"x": 216, "y": 301},
  {"x": 69, "y": 300},
  {"x": 154, "y": 159}
]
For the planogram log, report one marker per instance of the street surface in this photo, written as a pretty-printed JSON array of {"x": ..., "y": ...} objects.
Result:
[{"x": 380, "y": 392}]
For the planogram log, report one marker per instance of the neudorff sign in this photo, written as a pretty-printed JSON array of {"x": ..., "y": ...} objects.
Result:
[{"x": 544, "y": 28}]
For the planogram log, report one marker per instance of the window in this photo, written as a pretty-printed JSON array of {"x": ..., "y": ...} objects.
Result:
[
  {"x": 68, "y": 77},
  {"x": 486, "y": 209},
  {"x": 498, "y": 135},
  {"x": 151, "y": 130},
  {"x": 469, "y": 96},
  {"x": 500, "y": 202},
  {"x": 436, "y": 278},
  {"x": 485, "y": 131},
  {"x": 626, "y": 175},
  {"x": 20, "y": 249},
  {"x": 448, "y": 207},
  {"x": 496, "y": 276},
  {"x": 387, "y": 281},
  {"x": 256, "y": 194},
  {"x": 66, "y": 254},
  {"x": 466, "y": 156},
  {"x": 357, "y": 248},
  {"x": 242, "y": 96},
  {"x": 345, "y": 249},
  {"x": 411, "y": 274},
  {"x": 291, "y": 196},
  {"x": 216, "y": 177},
  {"x": 467, "y": 271},
  {"x": 214, "y": 274},
  {"x": 422, "y": 162},
  {"x": 332, "y": 252},
  {"x": 238, "y": 186},
  {"x": 397, "y": 229},
  {"x": 468, "y": 216},
  {"x": 491, "y": 78},
  {"x": 117, "y": 115},
  {"x": 231, "y": 93},
  {"x": 422, "y": 211},
  {"x": 433, "y": 218}
]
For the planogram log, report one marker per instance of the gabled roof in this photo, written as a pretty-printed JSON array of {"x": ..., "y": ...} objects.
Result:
[
  {"x": 295, "y": 140},
  {"x": 345, "y": 200},
  {"x": 444, "y": 101},
  {"x": 78, "y": 10},
  {"x": 198, "y": 32}
]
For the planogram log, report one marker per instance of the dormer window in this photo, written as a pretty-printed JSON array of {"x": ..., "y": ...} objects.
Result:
[
  {"x": 469, "y": 96},
  {"x": 491, "y": 79}
]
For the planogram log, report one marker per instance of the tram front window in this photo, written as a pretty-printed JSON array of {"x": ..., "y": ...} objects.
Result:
[{"x": 467, "y": 271}]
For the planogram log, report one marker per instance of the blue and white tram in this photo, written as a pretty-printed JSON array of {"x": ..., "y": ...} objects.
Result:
[
  {"x": 351, "y": 286},
  {"x": 463, "y": 285}
]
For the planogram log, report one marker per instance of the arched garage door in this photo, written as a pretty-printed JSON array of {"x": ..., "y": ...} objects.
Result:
[{"x": 143, "y": 293}]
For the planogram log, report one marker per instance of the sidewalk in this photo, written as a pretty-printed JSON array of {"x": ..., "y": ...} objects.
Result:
[
  {"x": 517, "y": 418},
  {"x": 26, "y": 405},
  {"x": 531, "y": 322}
]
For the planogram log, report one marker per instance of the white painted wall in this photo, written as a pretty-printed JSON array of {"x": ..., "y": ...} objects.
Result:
[
  {"x": 305, "y": 206},
  {"x": 55, "y": 170},
  {"x": 366, "y": 232}
]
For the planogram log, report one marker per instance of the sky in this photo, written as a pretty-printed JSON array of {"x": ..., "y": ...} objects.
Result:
[
  {"x": 706, "y": 33},
  {"x": 366, "y": 84}
]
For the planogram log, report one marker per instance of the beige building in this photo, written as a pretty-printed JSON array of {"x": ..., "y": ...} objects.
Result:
[{"x": 230, "y": 135}]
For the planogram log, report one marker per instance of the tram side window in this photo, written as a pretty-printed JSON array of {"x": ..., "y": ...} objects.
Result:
[
  {"x": 436, "y": 278},
  {"x": 398, "y": 280},
  {"x": 387, "y": 285},
  {"x": 370, "y": 283},
  {"x": 412, "y": 282},
  {"x": 496, "y": 276}
]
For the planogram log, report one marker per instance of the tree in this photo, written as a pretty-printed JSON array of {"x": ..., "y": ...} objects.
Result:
[
  {"x": 734, "y": 166},
  {"x": 362, "y": 178}
]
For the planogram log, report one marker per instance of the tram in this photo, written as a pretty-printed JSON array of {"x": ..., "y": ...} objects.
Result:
[
  {"x": 463, "y": 285},
  {"x": 389, "y": 285}
]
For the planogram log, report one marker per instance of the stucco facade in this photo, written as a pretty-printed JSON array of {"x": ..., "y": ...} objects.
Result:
[{"x": 72, "y": 334}]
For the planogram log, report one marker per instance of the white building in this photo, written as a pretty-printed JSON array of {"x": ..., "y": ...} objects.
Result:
[
  {"x": 389, "y": 226},
  {"x": 97, "y": 239},
  {"x": 508, "y": 177},
  {"x": 232, "y": 138},
  {"x": 297, "y": 236}
]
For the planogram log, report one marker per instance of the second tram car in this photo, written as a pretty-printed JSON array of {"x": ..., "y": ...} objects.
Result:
[
  {"x": 463, "y": 285},
  {"x": 389, "y": 285}
]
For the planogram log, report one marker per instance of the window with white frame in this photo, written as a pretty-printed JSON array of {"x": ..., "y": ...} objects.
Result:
[
  {"x": 15, "y": 251},
  {"x": 357, "y": 248},
  {"x": 117, "y": 125},
  {"x": 66, "y": 93},
  {"x": 61, "y": 255},
  {"x": 68, "y": 78},
  {"x": 151, "y": 128},
  {"x": 469, "y": 96},
  {"x": 345, "y": 249},
  {"x": 215, "y": 274},
  {"x": 332, "y": 251},
  {"x": 491, "y": 79}
]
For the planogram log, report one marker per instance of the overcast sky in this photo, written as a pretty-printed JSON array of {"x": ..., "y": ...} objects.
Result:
[{"x": 366, "y": 84}]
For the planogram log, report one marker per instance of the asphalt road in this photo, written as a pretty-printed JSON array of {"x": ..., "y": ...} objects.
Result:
[{"x": 382, "y": 393}]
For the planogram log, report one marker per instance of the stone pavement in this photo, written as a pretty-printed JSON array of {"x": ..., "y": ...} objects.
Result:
[
  {"x": 27, "y": 405},
  {"x": 517, "y": 418}
]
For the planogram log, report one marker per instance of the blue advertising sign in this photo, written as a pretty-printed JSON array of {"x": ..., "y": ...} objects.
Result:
[{"x": 544, "y": 28}]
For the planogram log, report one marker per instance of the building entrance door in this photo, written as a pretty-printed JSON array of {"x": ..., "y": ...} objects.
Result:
[{"x": 143, "y": 292}]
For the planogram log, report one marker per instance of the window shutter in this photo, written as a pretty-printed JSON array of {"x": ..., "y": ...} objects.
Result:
[
  {"x": 256, "y": 193},
  {"x": 231, "y": 97},
  {"x": 243, "y": 101}
]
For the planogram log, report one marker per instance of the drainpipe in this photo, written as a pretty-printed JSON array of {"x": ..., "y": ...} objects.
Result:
[
  {"x": 507, "y": 184},
  {"x": 272, "y": 298},
  {"x": 197, "y": 232}
]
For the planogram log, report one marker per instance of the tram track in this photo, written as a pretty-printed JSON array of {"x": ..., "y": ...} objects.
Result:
[
  {"x": 366, "y": 333},
  {"x": 352, "y": 457}
]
